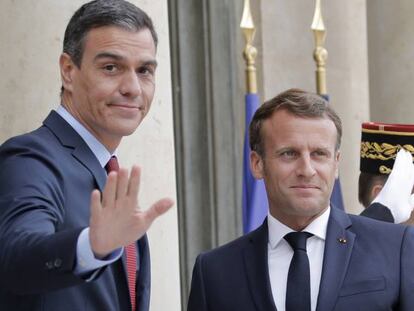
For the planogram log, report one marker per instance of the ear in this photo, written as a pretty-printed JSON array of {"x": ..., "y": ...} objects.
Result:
[
  {"x": 256, "y": 165},
  {"x": 376, "y": 189},
  {"x": 67, "y": 68},
  {"x": 337, "y": 156}
]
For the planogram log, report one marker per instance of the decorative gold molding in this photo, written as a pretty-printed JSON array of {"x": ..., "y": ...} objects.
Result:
[
  {"x": 383, "y": 151},
  {"x": 384, "y": 170}
]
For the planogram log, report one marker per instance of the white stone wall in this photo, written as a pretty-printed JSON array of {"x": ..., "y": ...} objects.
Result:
[
  {"x": 391, "y": 65},
  {"x": 31, "y": 35}
]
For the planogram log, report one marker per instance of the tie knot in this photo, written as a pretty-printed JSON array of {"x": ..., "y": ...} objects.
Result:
[
  {"x": 112, "y": 165},
  {"x": 297, "y": 240}
]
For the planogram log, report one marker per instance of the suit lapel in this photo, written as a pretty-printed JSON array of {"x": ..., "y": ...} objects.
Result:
[
  {"x": 338, "y": 248},
  {"x": 85, "y": 156},
  {"x": 71, "y": 139},
  {"x": 257, "y": 271}
]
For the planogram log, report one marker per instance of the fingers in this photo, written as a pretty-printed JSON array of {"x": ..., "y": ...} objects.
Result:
[
  {"x": 109, "y": 192},
  {"x": 134, "y": 181},
  {"x": 95, "y": 202},
  {"x": 403, "y": 169},
  {"x": 400, "y": 160},
  {"x": 122, "y": 185},
  {"x": 403, "y": 160},
  {"x": 158, "y": 208}
]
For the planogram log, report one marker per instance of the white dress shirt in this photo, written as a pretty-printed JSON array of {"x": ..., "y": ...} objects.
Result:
[
  {"x": 85, "y": 259},
  {"x": 280, "y": 254}
]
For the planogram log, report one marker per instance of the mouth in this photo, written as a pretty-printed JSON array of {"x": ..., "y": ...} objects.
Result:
[
  {"x": 305, "y": 187},
  {"x": 127, "y": 110},
  {"x": 126, "y": 106}
]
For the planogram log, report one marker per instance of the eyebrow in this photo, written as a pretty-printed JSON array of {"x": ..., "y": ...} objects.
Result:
[
  {"x": 108, "y": 55},
  {"x": 118, "y": 57}
]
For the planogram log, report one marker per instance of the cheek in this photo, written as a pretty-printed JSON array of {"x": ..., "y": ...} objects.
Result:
[
  {"x": 329, "y": 174},
  {"x": 278, "y": 176},
  {"x": 101, "y": 87},
  {"x": 148, "y": 91},
  {"x": 104, "y": 88}
]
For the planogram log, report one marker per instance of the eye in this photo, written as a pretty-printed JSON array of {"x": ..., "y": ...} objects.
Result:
[
  {"x": 110, "y": 68},
  {"x": 146, "y": 71},
  {"x": 288, "y": 154},
  {"x": 320, "y": 153}
]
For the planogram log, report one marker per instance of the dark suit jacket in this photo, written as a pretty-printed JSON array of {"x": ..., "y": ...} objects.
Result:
[
  {"x": 372, "y": 271},
  {"x": 46, "y": 179},
  {"x": 379, "y": 212}
]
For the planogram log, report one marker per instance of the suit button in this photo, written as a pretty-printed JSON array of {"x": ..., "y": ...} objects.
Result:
[
  {"x": 49, "y": 265},
  {"x": 58, "y": 263}
]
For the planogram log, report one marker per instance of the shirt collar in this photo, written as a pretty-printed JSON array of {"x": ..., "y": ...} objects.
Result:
[
  {"x": 97, "y": 148},
  {"x": 277, "y": 230}
]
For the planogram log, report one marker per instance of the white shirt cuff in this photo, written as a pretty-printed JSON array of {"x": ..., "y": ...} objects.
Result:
[{"x": 86, "y": 261}]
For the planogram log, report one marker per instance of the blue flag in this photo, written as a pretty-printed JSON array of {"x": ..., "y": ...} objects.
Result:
[
  {"x": 336, "y": 196},
  {"x": 255, "y": 205}
]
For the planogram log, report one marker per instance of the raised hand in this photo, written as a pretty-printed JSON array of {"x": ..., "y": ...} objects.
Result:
[
  {"x": 116, "y": 219},
  {"x": 396, "y": 193}
]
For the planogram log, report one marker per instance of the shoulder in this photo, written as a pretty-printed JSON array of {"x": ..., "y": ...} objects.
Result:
[
  {"x": 380, "y": 232},
  {"x": 36, "y": 141},
  {"x": 31, "y": 157},
  {"x": 45, "y": 142},
  {"x": 231, "y": 251},
  {"x": 36, "y": 150},
  {"x": 361, "y": 224},
  {"x": 374, "y": 224},
  {"x": 378, "y": 211}
]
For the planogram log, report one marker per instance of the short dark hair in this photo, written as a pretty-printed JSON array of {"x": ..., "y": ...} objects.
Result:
[
  {"x": 297, "y": 102},
  {"x": 365, "y": 183},
  {"x": 100, "y": 13}
]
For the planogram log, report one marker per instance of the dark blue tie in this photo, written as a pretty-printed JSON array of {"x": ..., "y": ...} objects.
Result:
[{"x": 298, "y": 282}]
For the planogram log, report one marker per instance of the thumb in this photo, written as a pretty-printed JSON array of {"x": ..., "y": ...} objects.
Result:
[{"x": 159, "y": 208}]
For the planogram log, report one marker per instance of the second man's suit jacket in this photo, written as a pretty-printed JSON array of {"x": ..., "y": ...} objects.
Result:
[
  {"x": 46, "y": 180},
  {"x": 372, "y": 271}
]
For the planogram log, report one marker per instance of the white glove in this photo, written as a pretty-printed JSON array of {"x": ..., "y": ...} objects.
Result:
[{"x": 396, "y": 193}]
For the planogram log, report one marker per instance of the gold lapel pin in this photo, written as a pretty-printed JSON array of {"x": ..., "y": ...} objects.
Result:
[{"x": 342, "y": 240}]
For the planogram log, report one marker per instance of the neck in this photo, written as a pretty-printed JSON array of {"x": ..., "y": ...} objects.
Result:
[
  {"x": 295, "y": 222},
  {"x": 67, "y": 103}
]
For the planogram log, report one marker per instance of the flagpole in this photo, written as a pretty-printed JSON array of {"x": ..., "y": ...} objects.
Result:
[
  {"x": 249, "y": 51},
  {"x": 254, "y": 201},
  {"x": 320, "y": 54}
]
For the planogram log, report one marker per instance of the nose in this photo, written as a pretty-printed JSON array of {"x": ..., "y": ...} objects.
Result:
[
  {"x": 305, "y": 166},
  {"x": 130, "y": 85}
]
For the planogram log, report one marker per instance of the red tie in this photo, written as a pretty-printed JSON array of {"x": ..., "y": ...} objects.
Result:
[{"x": 130, "y": 250}]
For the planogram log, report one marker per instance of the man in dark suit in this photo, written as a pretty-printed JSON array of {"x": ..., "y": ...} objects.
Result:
[
  {"x": 69, "y": 231},
  {"x": 306, "y": 255}
]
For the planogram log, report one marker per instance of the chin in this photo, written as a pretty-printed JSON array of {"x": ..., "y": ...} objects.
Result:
[
  {"x": 127, "y": 128},
  {"x": 311, "y": 208}
]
